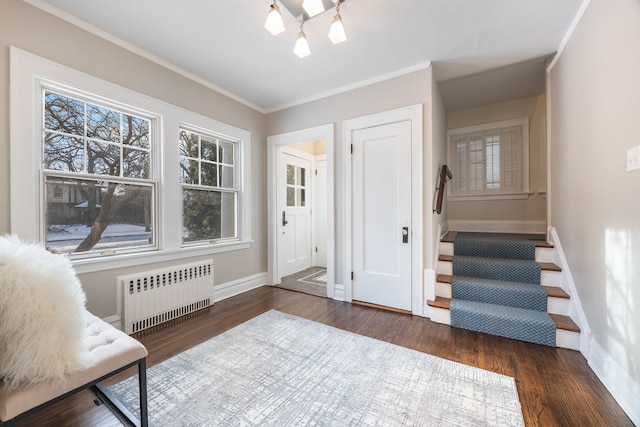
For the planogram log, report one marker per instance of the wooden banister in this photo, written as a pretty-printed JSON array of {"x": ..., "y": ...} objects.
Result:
[{"x": 445, "y": 173}]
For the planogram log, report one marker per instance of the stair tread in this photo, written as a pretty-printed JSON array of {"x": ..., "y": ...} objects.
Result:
[
  {"x": 548, "y": 266},
  {"x": 450, "y": 237},
  {"x": 562, "y": 322},
  {"x": 440, "y": 302}
]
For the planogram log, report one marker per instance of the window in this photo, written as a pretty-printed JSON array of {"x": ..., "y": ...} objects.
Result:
[
  {"x": 209, "y": 186},
  {"x": 88, "y": 156},
  {"x": 490, "y": 161},
  {"x": 99, "y": 157}
]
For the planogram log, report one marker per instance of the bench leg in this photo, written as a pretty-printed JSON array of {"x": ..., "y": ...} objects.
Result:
[{"x": 118, "y": 409}]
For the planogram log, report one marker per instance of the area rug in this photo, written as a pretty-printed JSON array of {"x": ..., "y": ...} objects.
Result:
[{"x": 282, "y": 370}]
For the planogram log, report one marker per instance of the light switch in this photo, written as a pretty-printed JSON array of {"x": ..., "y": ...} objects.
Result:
[{"x": 633, "y": 158}]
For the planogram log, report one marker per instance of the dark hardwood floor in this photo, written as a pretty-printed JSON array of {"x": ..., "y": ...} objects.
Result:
[{"x": 555, "y": 386}]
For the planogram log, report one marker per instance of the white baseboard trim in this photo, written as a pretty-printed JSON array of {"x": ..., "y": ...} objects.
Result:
[
  {"x": 533, "y": 227},
  {"x": 239, "y": 286},
  {"x": 115, "y": 321},
  {"x": 338, "y": 292},
  {"x": 623, "y": 388}
]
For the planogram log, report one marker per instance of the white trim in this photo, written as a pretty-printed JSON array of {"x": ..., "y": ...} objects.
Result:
[
  {"x": 115, "y": 321},
  {"x": 138, "y": 51},
  {"x": 323, "y": 132},
  {"x": 569, "y": 286},
  {"x": 535, "y": 227},
  {"x": 572, "y": 28},
  {"x": 239, "y": 286},
  {"x": 414, "y": 114},
  {"x": 347, "y": 88},
  {"x": 28, "y": 72},
  {"x": 623, "y": 388}
]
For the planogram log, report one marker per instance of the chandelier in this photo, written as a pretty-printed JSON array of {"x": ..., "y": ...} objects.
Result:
[{"x": 310, "y": 8}]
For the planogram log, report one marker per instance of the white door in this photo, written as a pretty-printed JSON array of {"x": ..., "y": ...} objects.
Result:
[
  {"x": 294, "y": 225},
  {"x": 382, "y": 215},
  {"x": 320, "y": 212}
]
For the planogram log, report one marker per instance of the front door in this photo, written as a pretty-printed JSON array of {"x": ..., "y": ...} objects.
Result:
[
  {"x": 382, "y": 215},
  {"x": 294, "y": 225}
]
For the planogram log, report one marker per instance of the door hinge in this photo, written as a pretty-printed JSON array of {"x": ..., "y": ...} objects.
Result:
[
  {"x": 316, "y": 249},
  {"x": 351, "y": 148},
  {"x": 316, "y": 172},
  {"x": 352, "y": 275}
]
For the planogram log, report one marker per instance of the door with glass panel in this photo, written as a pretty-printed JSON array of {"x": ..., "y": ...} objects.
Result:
[{"x": 294, "y": 220}]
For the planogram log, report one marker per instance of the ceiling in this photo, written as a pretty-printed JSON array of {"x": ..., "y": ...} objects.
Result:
[{"x": 224, "y": 44}]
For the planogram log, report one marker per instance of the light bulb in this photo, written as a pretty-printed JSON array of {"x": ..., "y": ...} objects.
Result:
[
  {"x": 302, "y": 46},
  {"x": 274, "y": 23},
  {"x": 336, "y": 32},
  {"x": 313, "y": 7}
]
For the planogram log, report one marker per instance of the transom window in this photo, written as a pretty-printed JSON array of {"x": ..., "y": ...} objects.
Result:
[
  {"x": 97, "y": 176},
  {"x": 209, "y": 186},
  {"x": 490, "y": 160}
]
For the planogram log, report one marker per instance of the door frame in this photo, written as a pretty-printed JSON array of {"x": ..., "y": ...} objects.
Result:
[
  {"x": 414, "y": 114},
  {"x": 323, "y": 132}
]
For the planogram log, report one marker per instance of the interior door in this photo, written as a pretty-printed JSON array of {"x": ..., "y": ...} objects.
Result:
[
  {"x": 382, "y": 215},
  {"x": 294, "y": 225}
]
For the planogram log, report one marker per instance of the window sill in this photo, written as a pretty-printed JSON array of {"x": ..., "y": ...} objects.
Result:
[
  {"x": 112, "y": 262},
  {"x": 477, "y": 197}
]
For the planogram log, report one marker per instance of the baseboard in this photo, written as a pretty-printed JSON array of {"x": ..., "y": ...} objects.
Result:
[
  {"x": 115, "y": 321},
  {"x": 338, "y": 292},
  {"x": 623, "y": 388},
  {"x": 529, "y": 227},
  {"x": 239, "y": 286}
]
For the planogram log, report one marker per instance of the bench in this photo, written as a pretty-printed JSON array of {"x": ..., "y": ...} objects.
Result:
[{"x": 112, "y": 352}]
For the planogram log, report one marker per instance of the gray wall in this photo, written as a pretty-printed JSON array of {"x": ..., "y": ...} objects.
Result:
[
  {"x": 33, "y": 30},
  {"x": 595, "y": 203},
  {"x": 410, "y": 89}
]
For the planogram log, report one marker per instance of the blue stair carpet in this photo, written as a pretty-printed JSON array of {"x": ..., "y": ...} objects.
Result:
[
  {"x": 510, "y": 322},
  {"x": 511, "y": 270},
  {"x": 494, "y": 246},
  {"x": 515, "y": 294},
  {"x": 496, "y": 288}
]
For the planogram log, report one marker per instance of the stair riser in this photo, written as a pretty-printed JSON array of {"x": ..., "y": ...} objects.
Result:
[
  {"x": 564, "y": 339},
  {"x": 547, "y": 278},
  {"x": 542, "y": 254},
  {"x": 554, "y": 305}
]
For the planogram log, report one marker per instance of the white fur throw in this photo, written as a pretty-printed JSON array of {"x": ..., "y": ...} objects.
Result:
[{"x": 41, "y": 314}]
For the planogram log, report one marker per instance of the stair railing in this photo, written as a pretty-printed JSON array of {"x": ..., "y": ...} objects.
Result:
[{"x": 445, "y": 173}]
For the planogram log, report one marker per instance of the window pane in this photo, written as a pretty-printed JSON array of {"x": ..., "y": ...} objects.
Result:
[
  {"x": 63, "y": 153},
  {"x": 103, "y": 123},
  {"x": 121, "y": 215},
  {"x": 209, "y": 151},
  {"x": 63, "y": 114},
  {"x": 209, "y": 174},
  {"x": 493, "y": 161},
  {"x": 103, "y": 158},
  {"x": 291, "y": 196},
  {"x": 135, "y": 131},
  {"x": 188, "y": 171},
  {"x": 226, "y": 152},
  {"x": 227, "y": 176},
  {"x": 301, "y": 197},
  {"x": 135, "y": 163},
  {"x": 208, "y": 215},
  {"x": 189, "y": 144},
  {"x": 301, "y": 177},
  {"x": 291, "y": 177},
  {"x": 476, "y": 167}
]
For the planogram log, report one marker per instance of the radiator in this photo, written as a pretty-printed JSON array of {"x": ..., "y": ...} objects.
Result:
[{"x": 157, "y": 296}]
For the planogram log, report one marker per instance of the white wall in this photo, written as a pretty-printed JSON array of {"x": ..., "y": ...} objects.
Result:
[{"x": 594, "y": 118}]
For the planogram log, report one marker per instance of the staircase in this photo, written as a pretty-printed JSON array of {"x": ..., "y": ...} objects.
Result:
[{"x": 503, "y": 285}]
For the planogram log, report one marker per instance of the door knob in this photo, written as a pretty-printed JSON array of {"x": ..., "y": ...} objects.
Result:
[{"x": 284, "y": 219}]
